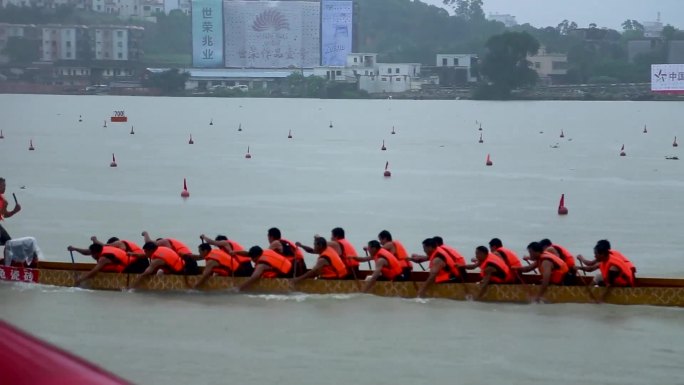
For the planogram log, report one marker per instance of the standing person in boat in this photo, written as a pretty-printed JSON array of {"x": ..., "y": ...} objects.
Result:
[
  {"x": 287, "y": 249},
  {"x": 616, "y": 269},
  {"x": 109, "y": 260},
  {"x": 329, "y": 264},
  {"x": 508, "y": 255},
  {"x": 605, "y": 243},
  {"x": 267, "y": 264},
  {"x": 162, "y": 259},
  {"x": 387, "y": 266},
  {"x": 565, "y": 255},
  {"x": 398, "y": 250},
  {"x": 493, "y": 269},
  {"x": 551, "y": 267},
  {"x": 347, "y": 250},
  {"x": 218, "y": 263},
  {"x": 5, "y": 213},
  {"x": 228, "y": 245},
  {"x": 443, "y": 267},
  {"x": 180, "y": 248}
]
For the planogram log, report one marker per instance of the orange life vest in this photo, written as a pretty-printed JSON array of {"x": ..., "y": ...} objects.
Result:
[
  {"x": 237, "y": 247},
  {"x": 455, "y": 255},
  {"x": 179, "y": 247},
  {"x": 392, "y": 269},
  {"x": 626, "y": 277},
  {"x": 121, "y": 259},
  {"x": 560, "y": 268},
  {"x": 622, "y": 257},
  {"x": 347, "y": 252},
  {"x": 297, "y": 252},
  {"x": 173, "y": 261},
  {"x": 336, "y": 268},
  {"x": 227, "y": 264},
  {"x": 565, "y": 255},
  {"x": 509, "y": 257},
  {"x": 450, "y": 270},
  {"x": 280, "y": 264},
  {"x": 3, "y": 206},
  {"x": 133, "y": 247},
  {"x": 499, "y": 264},
  {"x": 402, "y": 255}
]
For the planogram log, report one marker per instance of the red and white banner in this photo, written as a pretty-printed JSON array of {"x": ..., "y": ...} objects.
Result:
[{"x": 19, "y": 274}]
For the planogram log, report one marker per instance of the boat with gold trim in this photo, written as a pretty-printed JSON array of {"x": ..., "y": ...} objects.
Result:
[{"x": 648, "y": 291}]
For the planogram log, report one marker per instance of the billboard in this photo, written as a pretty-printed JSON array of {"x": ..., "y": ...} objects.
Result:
[
  {"x": 272, "y": 34},
  {"x": 668, "y": 78},
  {"x": 336, "y": 31},
  {"x": 207, "y": 33}
]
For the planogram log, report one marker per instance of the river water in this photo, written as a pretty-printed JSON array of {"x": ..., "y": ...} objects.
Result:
[{"x": 326, "y": 177}]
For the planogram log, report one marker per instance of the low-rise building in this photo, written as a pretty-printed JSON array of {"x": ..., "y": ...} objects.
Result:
[
  {"x": 12, "y": 31},
  {"x": 456, "y": 69},
  {"x": 551, "y": 67},
  {"x": 508, "y": 20}
]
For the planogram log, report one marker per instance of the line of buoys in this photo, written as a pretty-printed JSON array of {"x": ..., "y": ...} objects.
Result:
[
  {"x": 113, "y": 164},
  {"x": 645, "y": 130},
  {"x": 387, "y": 172},
  {"x": 383, "y": 148},
  {"x": 562, "y": 210},
  {"x": 2, "y": 136},
  {"x": 289, "y": 134},
  {"x": 393, "y": 132},
  {"x": 211, "y": 122},
  {"x": 31, "y": 148},
  {"x": 562, "y": 135},
  {"x": 248, "y": 155},
  {"x": 674, "y": 144},
  {"x": 622, "y": 151},
  {"x": 489, "y": 161},
  {"x": 185, "y": 193},
  {"x": 331, "y": 125},
  {"x": 191, "y": 141},
  {"x": 132, "y": 132},
  {"x": 240, "y": 127},
  {"x": 480, "y": 141}
]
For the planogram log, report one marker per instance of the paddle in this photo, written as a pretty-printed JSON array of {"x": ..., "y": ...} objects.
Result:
[
  {"x": 586, "y": 286},
  {"x": 15, "y": 199},
  {"x": 73, "y": 263}
]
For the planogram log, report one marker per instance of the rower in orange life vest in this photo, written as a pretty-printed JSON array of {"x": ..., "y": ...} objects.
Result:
[
  {"x": 443, "y": 267},
  {"x": 619, "y": 255},
  {"x": 616, "y": 269},
  {"x": 507, "y": 255},
  {"x": 109, "y": 260},
  {"x": 222, "y": 242},
  {"x": 387, "y": 266},
  {"x": 162, "y": 259},
  {"x": 288, "y": 249},
  {"x": 134, "y": 264},
  {"x": 551, "y": 267},
  {"x": 565, "y": 255},
  {"x": 398, "y": 250},
  {"x": 329, "y": 264},
  {"x": 267, "y": 264},
  {"x": 217, "y": 263},
  {"x": 493, "y": 269},
  {"x": 137, "y": 265},
  {"x": 347, "y": 250}
]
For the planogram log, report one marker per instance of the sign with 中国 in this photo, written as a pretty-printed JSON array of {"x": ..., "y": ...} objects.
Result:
[
  {"x": 207, "y": 33},
  {"x": 18, "y": 274},
  {"x": 336, "y": 31},
  {"x": 667, "y": 78}
]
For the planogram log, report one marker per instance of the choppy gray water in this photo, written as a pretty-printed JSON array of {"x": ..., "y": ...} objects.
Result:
[{"x": 326, "y": 177}]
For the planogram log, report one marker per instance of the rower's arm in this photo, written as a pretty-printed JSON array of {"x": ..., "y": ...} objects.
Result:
[
  {"x": 526, "y": 269},
  {"x": 588, "y": 268},
  {"x": 258, "y": 271},
  {"x": 7, "y": 213},
  {"x": 206, "y": 273},
  {"x": 379, "y": 264},
  {"x": 79, "y": 250},
  {"x": 136, "y": 255},
  {"x": 97, "y": 241},
  {"x": 306, "y": 248},
  {"x": 546, "y": 279},
  {"x": 585, "y": 261},
  {"x": 314, "y": 272},
  {"x": 417, "y": 258},
  {"x": 101, "y": 263},
  {"x": 437, "y": 265},
  {"x": 146, "y": 237},
  {"x": 472, "y": 266},
  {"x": 151, "y": 269},
  {"x": 362, "y": 259},
  {"x": 484, "y": 284},
  {"x": 196, "y": 257}
]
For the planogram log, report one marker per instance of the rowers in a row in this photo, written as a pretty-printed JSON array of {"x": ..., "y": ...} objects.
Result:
[{"x": 338, "y": 259}]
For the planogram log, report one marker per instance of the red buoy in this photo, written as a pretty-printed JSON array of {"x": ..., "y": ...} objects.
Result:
[
  {"x": 674, "y": 144},
  {"x": 622, "y": 151},
  {"x": 132, "y": 132},
  {"x": 1, "y": 135},
  {"x": 113, "y": 164},
  {"x": 31, "y": 148},
  {"x": 387, "y": 173},
  {"x": 383, "y": 148},
  {"x": 562, "y": 210},
  {"x": 562, "y": 135},
  {"x": 185, "y": 193},
  {"x": 248, "y": 156},
  {"x": 393, "y": 132},
  {"x": 489, "y": 161},
  {"x": 645, "y": 130},
  {"x": 480, "y": 141},
  {"x": 289, "y": 134},
  {"x": 191, "y": 141}
]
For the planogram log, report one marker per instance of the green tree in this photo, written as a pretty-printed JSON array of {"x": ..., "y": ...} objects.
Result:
[
  {"x": 22, "y": 50},
  {"x": 171, "y": 82},
  {"x": 475, "y": 11},
  {"x": 506, "y": 66}
]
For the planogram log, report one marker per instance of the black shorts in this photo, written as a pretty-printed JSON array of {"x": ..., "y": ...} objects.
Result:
[
  {"x": 244, "y": 270},
  {"x": 4, "y": 236},
  {"x": 299, "y": 266}
]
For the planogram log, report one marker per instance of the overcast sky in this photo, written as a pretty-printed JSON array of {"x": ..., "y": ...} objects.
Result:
[{"x": 605, "y": 13}]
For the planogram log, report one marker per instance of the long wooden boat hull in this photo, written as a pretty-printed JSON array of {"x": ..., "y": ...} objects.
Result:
[{"x": 659, "y": 292}]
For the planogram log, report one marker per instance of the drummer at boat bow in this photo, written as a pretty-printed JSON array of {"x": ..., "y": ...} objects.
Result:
[
  {"x": 267, "y": 264},
  {"x": 5, "y": 213},
  {"x": 616, "y": 269},
  {"x": 163, "y": 259},
  {"x": 287, "y": 249},
  {"x": 398, "y": 250},
  {"x": 552, "y": 268},
  {"x": 443, "y": 266},
  {"x": 329, "y": 264},
  {"x": 387, "y": 266},
  {"x": 229, "y": 246}
]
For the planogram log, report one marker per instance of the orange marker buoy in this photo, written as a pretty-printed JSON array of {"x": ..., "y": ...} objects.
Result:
[
  {"x": 289, "y": 134},
  {"x": 387, "y": 173},
  {"x": 248, "y": 155},
  {"x": 489, "y": 161},
  {"x": 622, "y": 151},
  {"x": 674, "y": 144},
  {"x": 132, "y": 132},
  {"x": 645, "y": 130},
  {"x": 185, "y": 193},
  {"x": 480, "y": 141},
  {"x": 383, "y": 148},
  {"x": 191, "y": 141},
  {"x": 31, "y": 148},
  {"x": 393, "y": 132},
  {"x": 562, "y": 135},
  {"x": 113, "y": 164},
  {"x": 1, "y": 135},
  {"x": 562, "y": 210}
]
